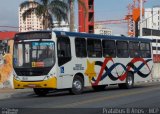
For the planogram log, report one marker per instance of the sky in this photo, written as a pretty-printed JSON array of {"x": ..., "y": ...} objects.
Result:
[{"x": 104, "y": 10}]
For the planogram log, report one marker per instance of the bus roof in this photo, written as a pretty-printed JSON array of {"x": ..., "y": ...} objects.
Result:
[
  {"x": 87, "y": 35},
  {"x": 97, "y": 36}
]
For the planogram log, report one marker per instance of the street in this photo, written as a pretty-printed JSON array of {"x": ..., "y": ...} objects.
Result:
[{"x": 146, "y": 95}]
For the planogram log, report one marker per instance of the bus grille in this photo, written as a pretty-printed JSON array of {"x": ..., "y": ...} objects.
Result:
[{"x": 30, "y": 73}]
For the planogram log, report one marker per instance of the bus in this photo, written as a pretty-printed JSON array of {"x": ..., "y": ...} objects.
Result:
[{"x": 51, "y": 60}]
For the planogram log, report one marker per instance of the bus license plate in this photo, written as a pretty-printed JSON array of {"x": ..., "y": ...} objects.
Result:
[{"x": 31, "y": 85}]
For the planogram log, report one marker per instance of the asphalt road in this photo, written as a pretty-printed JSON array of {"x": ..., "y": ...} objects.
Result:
[{"x": 142, "y": 96}]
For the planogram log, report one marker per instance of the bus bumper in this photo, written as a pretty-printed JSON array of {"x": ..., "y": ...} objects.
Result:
[{"x": 50, "y": 83}]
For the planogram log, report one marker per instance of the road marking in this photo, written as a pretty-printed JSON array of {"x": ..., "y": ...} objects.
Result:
[{"x": 71, "y": 105}]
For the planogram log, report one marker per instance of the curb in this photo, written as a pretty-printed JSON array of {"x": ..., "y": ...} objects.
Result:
[
  {"x": 154, "y": 80},
  {"x": 150, "y": 81}
]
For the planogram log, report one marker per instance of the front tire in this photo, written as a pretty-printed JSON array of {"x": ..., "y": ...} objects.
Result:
[
  {"x": 77, "y": 85},
  {"x": 41, "y": 91}
]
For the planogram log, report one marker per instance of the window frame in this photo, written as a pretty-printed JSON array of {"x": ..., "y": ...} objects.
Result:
[
  {"x": 118, "y": 49},
  {"x": 136, "y": 51},
  {"x": 62, "y": 59},
  {"x": 82, "y": 48},
  {"x": 109, "y": 49},
  {"x": 145, "y": 50},
  {"x": 91, "y": 50}
]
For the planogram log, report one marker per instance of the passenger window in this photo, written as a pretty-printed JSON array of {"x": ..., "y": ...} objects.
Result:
[
  {"x": 134, "y": 50},
  {"x": 80, "y": 46},
  {"x": 64, "y": 50},
  {"x": 145, "y": 50},
  {"x": 94, "y": 48},
  {"x": 109, "y": 49},
  {"x": 122, "y": 49}
]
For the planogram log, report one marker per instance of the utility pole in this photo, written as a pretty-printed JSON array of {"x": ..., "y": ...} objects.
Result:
[
  {"x": 72, "y": 16},
  {"x": 159, "y": 19},
  {"x": 141, "y": 19}
]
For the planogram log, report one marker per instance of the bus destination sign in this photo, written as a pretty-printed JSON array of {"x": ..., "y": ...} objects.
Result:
[{"x": 33, "y": 35}]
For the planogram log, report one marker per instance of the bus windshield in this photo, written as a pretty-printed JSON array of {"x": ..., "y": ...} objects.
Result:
[{"x": 34, "y": 54}]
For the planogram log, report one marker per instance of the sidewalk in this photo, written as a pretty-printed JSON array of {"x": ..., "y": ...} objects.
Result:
[
  {"x": 9, "y": 92},
  {"x": 6, "y": 93}
]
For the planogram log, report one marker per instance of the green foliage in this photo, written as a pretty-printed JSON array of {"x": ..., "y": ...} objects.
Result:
[{"x": 46, "y": 10}]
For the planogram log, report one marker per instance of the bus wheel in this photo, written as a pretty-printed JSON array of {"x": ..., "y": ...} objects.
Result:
[
  {"x": 99, "y": 87},
  {"x": 77, "y": 85},
  {"x": 40, "y": 91},
  {"x": 129, "y": 82}
]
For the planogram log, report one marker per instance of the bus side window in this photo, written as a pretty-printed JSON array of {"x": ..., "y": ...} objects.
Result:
[
  {"x": 145, "y": 50},
  {"x": 134, "y": 49},
  {"x": 122, "y": 49},
  {"x": 61, "y": 53},
  {"x": 109, "y": 48},
  {"x": 80, "y": 46},
  {"x": 64, "y": 50},
  {"x": 94, "y": 48}
]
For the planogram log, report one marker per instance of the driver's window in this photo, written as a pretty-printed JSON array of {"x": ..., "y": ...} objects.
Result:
[{"x": 64, "y": 50}]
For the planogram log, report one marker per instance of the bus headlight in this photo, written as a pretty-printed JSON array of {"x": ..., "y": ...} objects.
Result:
[
  {"x": 16, "y": 77},
  {"x": 47, "y": 77}
]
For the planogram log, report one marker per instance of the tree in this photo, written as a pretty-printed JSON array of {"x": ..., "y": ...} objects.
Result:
[
  {"x": 45, "y": 10},
  {"x": 72, "y": 15}
]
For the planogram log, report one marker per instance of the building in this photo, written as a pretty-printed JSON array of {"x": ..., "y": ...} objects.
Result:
[
  {"x": 152, "y": 18},
  {"x": 99, "y": 29},
  {"x": 103, "y": 31},
  {"x": 32, "y": 22},
  {"x": 64, "y": 26},
  {"x": 151, "y": 30},
  {"x": 86, "y": 22}
]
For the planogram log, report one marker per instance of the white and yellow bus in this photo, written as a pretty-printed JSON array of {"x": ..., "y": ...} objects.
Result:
[{"x": 48, "y": 60}]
